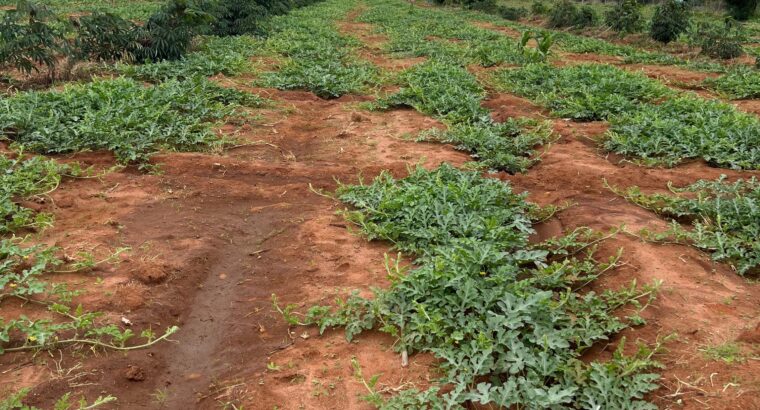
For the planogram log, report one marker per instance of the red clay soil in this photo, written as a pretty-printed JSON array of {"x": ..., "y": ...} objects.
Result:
[{"x": 213, "y": 236}]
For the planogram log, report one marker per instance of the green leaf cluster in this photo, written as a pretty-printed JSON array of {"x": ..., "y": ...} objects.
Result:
[
  {"x": 121, "y": 115},
  {"x": 507, "y": 320},
  {"x": 739, "y": 83},
  {"x": 319, "y": 58},
  {"x": 687, "y": 128},
  {"x": 583, "y": 92},
  {"x": 724, "y": 218}
]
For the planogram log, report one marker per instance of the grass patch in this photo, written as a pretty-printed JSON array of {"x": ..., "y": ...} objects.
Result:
[
  {"x": 728, "y": 353},
  {"x": 318, "y": 57},
  {"x": 724, "y": 219},
  {"x": 584, "y": 92},
  {"x": 507, "y": 320},
  {"x": 121, "y": 115},
  {"x": 687, "y": 128}
]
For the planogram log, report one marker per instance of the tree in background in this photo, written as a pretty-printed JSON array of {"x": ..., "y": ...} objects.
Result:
[
  {"x": 742, "y": 9},
  {"x": 670, "y": 19}
]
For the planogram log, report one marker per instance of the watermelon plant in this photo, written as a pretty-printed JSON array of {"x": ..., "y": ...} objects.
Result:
[
  {"x": 318, "y": 57},
  {"x": 24, "y": 178},
  {"x": 23, "y": 267},
  {"x": 445, "y": 35},
  {"x": 739, "y": 83},
  {"x": 507, "y": 320},
  {"x": 450, "y": 93},
  {"x": 213, "y": 55},
  {"x": 121, "y": 115},
  {"x": 584, "y": 92},
  {"x": 687, "y": 128},
  {"x": 724, "y": 218}
]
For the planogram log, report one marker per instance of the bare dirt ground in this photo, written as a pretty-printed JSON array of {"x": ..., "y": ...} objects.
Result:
[{"x": 214, "y": 236}]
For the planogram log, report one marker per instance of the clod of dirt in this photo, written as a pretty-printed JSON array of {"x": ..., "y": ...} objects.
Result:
[
  {"x": 134, "y": 373},
  {"x": 356, "y": 117},
  {"x": 151, "y": 274},
  {"x": 751, "y": 336}
]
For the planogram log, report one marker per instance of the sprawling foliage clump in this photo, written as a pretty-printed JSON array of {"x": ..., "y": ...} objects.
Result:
[
  {"x": 625, "y": 17},
  {"x": 670, "y": 19},
  {"x": 512, "y": 13},
  {"x": 725, "y": 218},
  {"x": 20, "y": 179},
  {"x": 583, "y": 92},
  {"x": 739, "y": 83},
  {"x": 214, "y": 55},
  {"x": 688, "y": 128},
  {"x": 320, "y": 59},
  {"x": 631, "y": 55},
  {"x": 441, "y": 34},
  {"x": 450, "y": 93},
  {"x": 445, "y": 91},
  {"x": 120, "y": 115},
  {"x": 234, "y": 17},
  {"x": 539, "y": 8},
  {"x": 505, "y": 318},
  {"x": 443, "y": 88},
  {"x": 508, "y": 145}
]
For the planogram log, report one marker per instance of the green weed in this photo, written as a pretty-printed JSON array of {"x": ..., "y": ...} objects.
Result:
[{"x": 727, "y": 352}]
